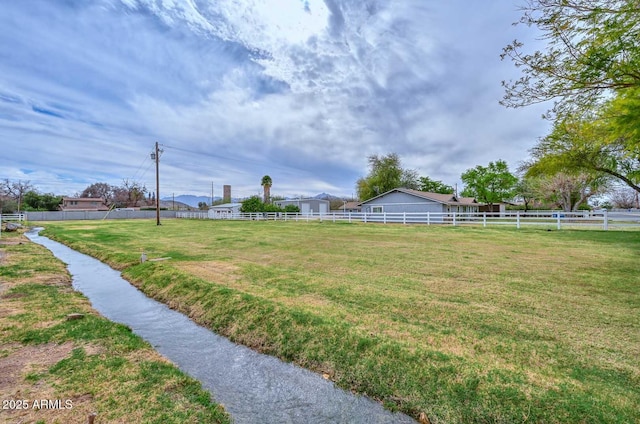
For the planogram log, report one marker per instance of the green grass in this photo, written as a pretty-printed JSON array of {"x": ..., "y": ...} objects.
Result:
[
  {"x": 98, "y": 365},
  {"x": 464, "y": 324}
]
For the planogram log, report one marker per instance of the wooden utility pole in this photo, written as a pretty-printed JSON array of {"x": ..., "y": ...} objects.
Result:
[{"x": 156, "y": 155}]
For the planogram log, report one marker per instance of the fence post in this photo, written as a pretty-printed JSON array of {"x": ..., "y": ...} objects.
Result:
[
  {"x": 349, "y": 217},
  {"x": 559, "y": 226},
  {"x": 428, "y": 218},
  {"x": 454, "y": 219},
  {"x": 605, "y": 217},
  {"x": 384, "y": 217},
  {"x": 484, "y": 219},
  {"x": 404, "y": 218},
  {"x": 365, "y": 217},
  {"x": 518, "y": 220}
]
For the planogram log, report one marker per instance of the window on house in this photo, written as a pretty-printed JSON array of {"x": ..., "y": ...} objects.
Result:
[{"x": 376, "y": 209}]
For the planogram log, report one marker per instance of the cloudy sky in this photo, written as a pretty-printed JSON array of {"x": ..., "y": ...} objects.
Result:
[{"x": 302, "y": 90}]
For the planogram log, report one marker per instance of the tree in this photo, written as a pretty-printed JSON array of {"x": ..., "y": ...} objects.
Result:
[
  {"x": 203, "y": 206},
  {"x": 291, "y": 208},
  {"x": 135, "y": 192},
  {"x": 15, "y": 190},
  {"x": 433, "y": 186},
  {"x": 385, "y": 173},
  {"x": 251, "y": 205},
  {"x": 569, "y": 191},
  {"x": 592, "y": 143},
  {"x": 129, "y": 194},
  {"x": 266, "y": 187},
  {"x": 104, "y": 190},
  {"x": 592, "y": 49},
  {"x": 525, "y": 189},
  {"x": 624, "y": 198},
  {"x": 41, "y": 202},
  {"x": 491, "y": 184}
]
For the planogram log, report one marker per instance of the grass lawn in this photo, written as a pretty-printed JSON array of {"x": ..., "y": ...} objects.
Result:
[
  {"x": 463, "y": 324},
  {"x": 55, "y": 370}
]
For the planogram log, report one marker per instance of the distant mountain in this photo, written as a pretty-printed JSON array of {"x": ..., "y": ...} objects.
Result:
[
  {"x": 190, "y": 199},
  {"x": 326, "y": 196}
]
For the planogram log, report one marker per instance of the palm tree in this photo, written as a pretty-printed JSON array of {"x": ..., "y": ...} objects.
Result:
[{"x": 266, "y": 185}]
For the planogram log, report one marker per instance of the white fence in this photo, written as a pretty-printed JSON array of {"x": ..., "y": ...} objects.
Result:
[
  {"x": 14, "y": 217},
  {"x": 19, "y": 217},
  {"x": 553, "y": 219}
]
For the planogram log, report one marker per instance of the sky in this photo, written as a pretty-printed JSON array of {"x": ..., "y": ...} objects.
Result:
[{"x": 300, "y": 90}]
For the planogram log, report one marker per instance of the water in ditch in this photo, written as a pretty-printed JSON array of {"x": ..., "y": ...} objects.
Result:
[{"x": 254, "y": 388}]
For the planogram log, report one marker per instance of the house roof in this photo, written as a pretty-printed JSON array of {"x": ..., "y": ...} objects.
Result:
[
  {"x": 226, "y": 205},
  {"x": 447, "y": 199},
  {"x": 351, "y": 205},
  {"x": 85, "y": 199},
  {"x": 307, "y": 199}
]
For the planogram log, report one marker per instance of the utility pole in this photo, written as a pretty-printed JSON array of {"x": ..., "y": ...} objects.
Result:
[
  {"x": 156, "y": 155},
  {"x": 211, "y": 193}
]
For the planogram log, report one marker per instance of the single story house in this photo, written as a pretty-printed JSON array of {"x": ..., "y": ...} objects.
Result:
[
  {"x": 83, "y": 204},
  {"x": 403, "y": 200},
  {"x": 307, "y": 206},
  {"x": 224, "y": 211},
  {"x": 349, "y": 207}
]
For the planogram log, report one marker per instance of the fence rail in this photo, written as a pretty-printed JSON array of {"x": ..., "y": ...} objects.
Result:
[
  {"x": 12, "y": 217},
  {"x": 554, "y": 219}
]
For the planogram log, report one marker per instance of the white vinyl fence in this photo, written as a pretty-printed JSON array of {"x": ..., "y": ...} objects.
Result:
[
  {"x": 14, "y": 217},
  {"x": 552, "y": 219}
]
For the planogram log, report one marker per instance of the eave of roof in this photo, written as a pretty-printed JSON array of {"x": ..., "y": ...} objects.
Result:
[{"x": 447, "y": 199}]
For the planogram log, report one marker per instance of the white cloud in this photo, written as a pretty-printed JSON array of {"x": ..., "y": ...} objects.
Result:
[{"x": 302, "y": 90}]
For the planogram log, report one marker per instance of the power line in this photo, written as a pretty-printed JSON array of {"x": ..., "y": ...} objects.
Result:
[{"x": 244, "y": 161}]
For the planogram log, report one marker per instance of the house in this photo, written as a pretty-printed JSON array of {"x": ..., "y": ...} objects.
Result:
[
  {"x": 83, "y": 204},
  {"x": 348, "y": 207},
  {"x": 307, "y": 206},
  {"x": 224, "y": 211},
  {"x": 403, "y": 200}
]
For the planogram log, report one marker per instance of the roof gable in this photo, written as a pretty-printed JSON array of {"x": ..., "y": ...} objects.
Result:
[{"x": 447, "y": 199}]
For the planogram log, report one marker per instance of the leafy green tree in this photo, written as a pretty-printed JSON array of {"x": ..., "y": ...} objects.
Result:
[
  {"x": 526, "y": 190},
  {"x": 385, "y": 173},
  {"x": 203, "y": 206},
  {"x": 490, "y": 184},
  {"x": 8, "y": 205},
  {"x": 41, "y": 202},
  {"x": 434, "y": 186},
  {"x": 266, "y": 183},
  {"x": 291, "y": 208},
  {"x": 591, "y": 144},
  {"x": 592, "y": 49},
  {"x": 252, "y": 204}
]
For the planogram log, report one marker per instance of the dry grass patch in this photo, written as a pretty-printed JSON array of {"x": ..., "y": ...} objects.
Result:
[{"x": 16, "y": 383}]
